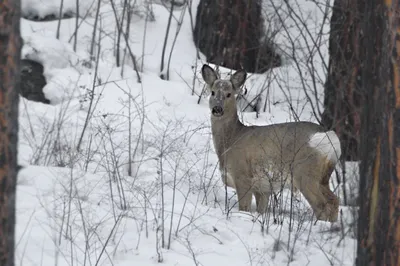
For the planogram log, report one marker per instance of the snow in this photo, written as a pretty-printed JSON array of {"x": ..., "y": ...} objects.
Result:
[{"x": 81, "y": 201}]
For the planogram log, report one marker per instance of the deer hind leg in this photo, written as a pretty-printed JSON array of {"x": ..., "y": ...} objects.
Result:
[
  {"x": 315, "y": 198},
  {"x": 316, "y": 191},
  {"x": 331, "y": 210},
  {"x": 332, "y": 206}
]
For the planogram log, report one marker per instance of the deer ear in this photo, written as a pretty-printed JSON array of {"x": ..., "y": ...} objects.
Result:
[
  {"x": 238, "y": 79},
  {"x": 208, "y": 74}
]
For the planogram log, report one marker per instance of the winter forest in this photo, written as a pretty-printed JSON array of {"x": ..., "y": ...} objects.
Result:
[{"x": 200, "y": 132}]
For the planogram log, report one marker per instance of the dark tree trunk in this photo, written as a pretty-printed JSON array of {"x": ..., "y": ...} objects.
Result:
[
  {"x": 231, "y": 33},
  {"x": 379, "y": 216},
  {"x": 342, "y": 87},
  {"x": 10, "y": 51}
]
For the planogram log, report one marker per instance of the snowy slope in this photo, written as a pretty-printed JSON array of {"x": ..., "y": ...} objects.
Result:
[{"x": 81, "y": 201}]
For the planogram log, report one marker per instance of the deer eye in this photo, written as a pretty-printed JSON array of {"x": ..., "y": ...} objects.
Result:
[
  {"x": 212, "y": 93},
  {"x": 228, "y": 95}
]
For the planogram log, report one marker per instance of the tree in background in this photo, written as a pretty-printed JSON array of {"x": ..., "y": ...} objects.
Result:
[
  {"x": 231, "y": 33},
  {"x": 342, "y": 101},
  {"x": 379, "y": 215},
  {"x": 10, "y": 51}
]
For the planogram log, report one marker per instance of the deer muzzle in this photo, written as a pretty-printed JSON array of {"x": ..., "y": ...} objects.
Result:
[{"x": 217, "y": 111}]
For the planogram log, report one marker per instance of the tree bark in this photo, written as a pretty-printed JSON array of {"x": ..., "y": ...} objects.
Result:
[
  {"x": 10, "y": 51},
  {"x": 343, "y": 85},
  {"x": 230, "y": 33},
  {"x": 379, "y": 216}
]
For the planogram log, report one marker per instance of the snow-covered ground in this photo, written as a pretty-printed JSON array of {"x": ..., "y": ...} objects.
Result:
[{"x": 82, "y": 201}]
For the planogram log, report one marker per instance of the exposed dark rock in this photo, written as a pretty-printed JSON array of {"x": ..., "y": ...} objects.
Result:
[
  {"x": 32, "y": 81},
  {"x": 230, "y": 33},
  {"x": 49, "y": 17}
]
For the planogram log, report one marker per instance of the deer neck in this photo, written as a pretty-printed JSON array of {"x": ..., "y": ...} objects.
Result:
[{"x": 225, "y": 130}]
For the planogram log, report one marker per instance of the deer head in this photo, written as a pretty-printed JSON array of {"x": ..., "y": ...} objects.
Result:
[{"x": 222, "y": 91}]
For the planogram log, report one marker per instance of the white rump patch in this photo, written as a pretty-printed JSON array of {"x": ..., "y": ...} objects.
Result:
[{"x": 327, "y": 143}]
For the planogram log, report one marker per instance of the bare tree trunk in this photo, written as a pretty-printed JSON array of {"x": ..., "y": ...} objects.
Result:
[
  {"x": 379, "y": 217},
  {"x": 229, "y": 34},
  {"x": 10, "y": 51},
  {"x": 342, "y": 88}
]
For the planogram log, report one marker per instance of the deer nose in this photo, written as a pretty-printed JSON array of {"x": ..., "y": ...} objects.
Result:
[{"x": 217, "y": 111}]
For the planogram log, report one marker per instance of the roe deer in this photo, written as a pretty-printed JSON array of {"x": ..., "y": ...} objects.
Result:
[{"x": 260, "y": 160}]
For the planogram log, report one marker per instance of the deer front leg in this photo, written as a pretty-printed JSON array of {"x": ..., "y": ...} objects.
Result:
[
  {"x": 244, "y": 195},
  {"x": 262, "y": 201}
]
